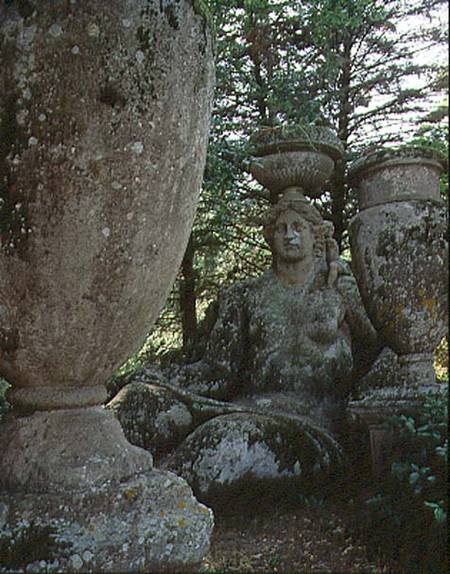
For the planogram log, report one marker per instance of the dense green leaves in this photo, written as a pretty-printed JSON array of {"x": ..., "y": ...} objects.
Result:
[{"x": 413, "y": 500}]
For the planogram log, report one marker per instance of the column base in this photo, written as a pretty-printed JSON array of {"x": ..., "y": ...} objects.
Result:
[
  {"x": 63, "y": 450},
  {"x": 149, "y": 523},
  {"x": 76, "y": 496}
]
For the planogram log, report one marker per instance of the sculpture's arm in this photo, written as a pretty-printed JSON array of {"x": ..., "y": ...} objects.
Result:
[
  {"x": 217, "y": 374},
  {"x": 365, "y": 340}
]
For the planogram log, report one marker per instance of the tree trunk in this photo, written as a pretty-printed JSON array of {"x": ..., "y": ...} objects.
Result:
[
  {"x": 188, "y": 298},
  {"x": 339, "y": 197},
  {"x": 338, "y": 201}
]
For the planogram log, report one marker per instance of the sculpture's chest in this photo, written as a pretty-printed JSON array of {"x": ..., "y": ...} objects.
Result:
[
  {"x": 296, "y": 341},
  {"x": 293, "y": 315}
]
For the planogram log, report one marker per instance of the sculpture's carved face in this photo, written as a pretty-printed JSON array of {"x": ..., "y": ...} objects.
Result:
[{"x": 293, "y": 239}]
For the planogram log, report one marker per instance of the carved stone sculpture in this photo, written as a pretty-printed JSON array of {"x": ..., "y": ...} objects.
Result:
[
  {"x": 104, "y": 117},
  {"x": 268, "y": 400},
  {"x": 278, "y": 364},
  {"x": 299, "y": 156},
  {"x": 400, "y": 257}
]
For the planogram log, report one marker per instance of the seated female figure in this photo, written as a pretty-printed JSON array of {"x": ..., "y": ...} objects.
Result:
[{"x": 279, "y": 364}]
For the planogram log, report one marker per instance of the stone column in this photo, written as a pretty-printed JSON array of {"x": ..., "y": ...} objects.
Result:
[
  {"x": 400, "y": 259},
  {"x": 103, "y": 129}
]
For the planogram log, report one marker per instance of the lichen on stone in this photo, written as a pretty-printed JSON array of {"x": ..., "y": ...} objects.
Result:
[
  {"x": 277, "y": 357},
  {"x": 417, "y": 153}
]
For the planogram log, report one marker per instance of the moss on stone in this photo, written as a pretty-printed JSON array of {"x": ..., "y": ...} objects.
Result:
[
  {"x": 171, "y": 16},
  {"x": 202, "y": 9},
  {"x": 386, "y": 242},
  {"x": 4, "y": 405}
]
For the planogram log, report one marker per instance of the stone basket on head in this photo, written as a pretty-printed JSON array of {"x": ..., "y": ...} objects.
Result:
[{"x": 302, "y": 157}]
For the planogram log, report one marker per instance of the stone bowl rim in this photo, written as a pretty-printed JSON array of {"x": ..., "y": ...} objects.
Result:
[
  {"x": 298, "y": 145},
  {"x": 297, "y": 138},
  {"x": 262, "y": 164},
  {"x": 407, "y": 155}
]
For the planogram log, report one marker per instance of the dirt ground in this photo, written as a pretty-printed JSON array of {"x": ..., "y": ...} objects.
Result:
[{"x": 292, "y": 539}]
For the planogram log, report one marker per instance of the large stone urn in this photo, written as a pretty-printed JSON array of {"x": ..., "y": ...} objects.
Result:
[
  {"x": 301, "y": 156},
  {"x": 104, "y": 116},
  {"x": 400, "y": 254},
  {"x": 400, "y": 259}
]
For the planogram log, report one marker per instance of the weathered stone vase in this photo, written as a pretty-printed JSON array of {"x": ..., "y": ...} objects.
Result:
[
  {"x": 400, "y": 255},
  {"x": 104, "y": 117},
  {"x": 303, "y": 157}
]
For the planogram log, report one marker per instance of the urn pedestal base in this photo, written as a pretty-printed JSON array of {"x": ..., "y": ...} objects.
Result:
[
  {"x": 417, "y": 370},
  {"x": 80, "y": 497},
  {"x": 376, "y": 409}
]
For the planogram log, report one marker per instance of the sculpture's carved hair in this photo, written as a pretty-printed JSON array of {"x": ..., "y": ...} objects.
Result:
[{"x": 307, "y": 211}]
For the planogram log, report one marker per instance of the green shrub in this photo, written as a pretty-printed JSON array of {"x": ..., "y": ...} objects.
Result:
[
  {"x": 406, "y": 518},
  {"x": 423, "y": 463}
]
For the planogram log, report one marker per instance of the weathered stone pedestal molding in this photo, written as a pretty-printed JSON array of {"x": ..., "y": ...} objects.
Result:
[
  {"x": 400, "y": 258},
  {"x": 104, "y": 117}
]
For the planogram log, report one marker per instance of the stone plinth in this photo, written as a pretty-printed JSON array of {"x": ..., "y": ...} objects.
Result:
[
  {"x": 376, "y": 408},
  {"x": 149, "y": 523}
]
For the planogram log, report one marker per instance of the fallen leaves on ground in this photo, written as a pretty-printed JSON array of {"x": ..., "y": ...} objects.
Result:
[{"x": 296, "y": 540}]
